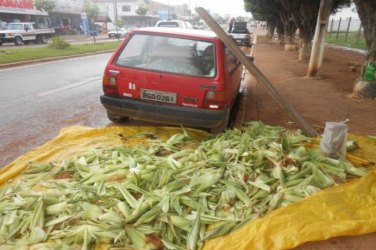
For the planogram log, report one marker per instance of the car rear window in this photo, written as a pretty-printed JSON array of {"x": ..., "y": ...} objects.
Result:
[{"x": 169, "y": 54}]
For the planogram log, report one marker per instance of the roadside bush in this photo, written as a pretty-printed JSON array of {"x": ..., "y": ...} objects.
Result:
[{"x": 59, "y": 43}]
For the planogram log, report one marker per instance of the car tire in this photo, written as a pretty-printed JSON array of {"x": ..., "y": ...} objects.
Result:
[
  {"x": 116, "y": 118},
  {"x": 18, "y": 41},
  {"x": 221, "y": 128},
  {"x": 43, "y": 39}
]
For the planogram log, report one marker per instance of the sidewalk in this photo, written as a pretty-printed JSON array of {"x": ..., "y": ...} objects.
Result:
[{"x": 319, "y": 100}]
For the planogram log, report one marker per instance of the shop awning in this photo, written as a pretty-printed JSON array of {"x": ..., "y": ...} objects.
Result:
[{"x": 22, "y": 11}]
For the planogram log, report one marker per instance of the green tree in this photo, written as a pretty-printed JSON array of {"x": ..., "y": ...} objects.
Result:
[
  {"x": 366, "y": 11},
  {"x": 290, "y": 13},
  {"x": 142, "y": 10},
  {"x": 173, "y": 15},
  {"x": 266, "y": 10},
  {"x": 46, "y": 5},
  {"x": 91, "y": 11},
  {"x": 304, "y": 13},
  {"x": 119, "y": 23}
]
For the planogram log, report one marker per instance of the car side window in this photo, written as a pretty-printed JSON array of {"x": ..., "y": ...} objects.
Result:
[
  {"x": 26, "y": 27},
  {"x": 232, "y": 61},
  {"x": 132, "y": 53}
]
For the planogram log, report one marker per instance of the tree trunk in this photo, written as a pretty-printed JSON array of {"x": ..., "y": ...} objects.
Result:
[
  {"x": 271, "y": 24},
  {"x": 365, "y": 86},
  {"x": 304, "y": 50},
  {"x": 318, "y": 40},
  {"x": 366, "y": 11},
  {"x": 281, "y": 33},
  {"x": 304, "y": 14}
]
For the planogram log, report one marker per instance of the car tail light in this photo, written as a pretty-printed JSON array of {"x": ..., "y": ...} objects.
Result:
[
  {"x": 109, "y": 82},
  {"x": 214, "y": 100}
]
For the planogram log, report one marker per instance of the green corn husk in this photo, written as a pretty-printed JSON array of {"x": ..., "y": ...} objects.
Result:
[
  {"x": 169, "y": 194},
  {"x": 193, "y": 234},
  {"x": 219, "y": 229}
]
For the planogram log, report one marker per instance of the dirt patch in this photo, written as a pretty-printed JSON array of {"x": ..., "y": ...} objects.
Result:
[{"x": 327, "y": 97}]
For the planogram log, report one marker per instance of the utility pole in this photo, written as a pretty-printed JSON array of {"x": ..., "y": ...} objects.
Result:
[
  {"x": 168, "y": 10},
  {"x": 116, "y": 19},
  {"x": 317, "y": 51}
]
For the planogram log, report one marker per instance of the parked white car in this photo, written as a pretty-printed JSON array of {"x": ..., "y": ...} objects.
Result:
[{"x": 121, "y": 32}]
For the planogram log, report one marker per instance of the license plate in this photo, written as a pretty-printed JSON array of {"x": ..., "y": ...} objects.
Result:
[{"x": 159, "y": 96}]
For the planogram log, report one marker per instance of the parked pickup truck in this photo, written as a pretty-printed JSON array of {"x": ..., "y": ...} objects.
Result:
[
  {"x": 24, "y": 33},
  {"x": 240, "y": 34}
]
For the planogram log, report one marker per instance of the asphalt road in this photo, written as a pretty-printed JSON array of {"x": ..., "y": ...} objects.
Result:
[{"x": 38, "y": 100}]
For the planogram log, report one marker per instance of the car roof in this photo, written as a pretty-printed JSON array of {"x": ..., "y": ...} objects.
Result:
[{"x": 177, "y": 31}]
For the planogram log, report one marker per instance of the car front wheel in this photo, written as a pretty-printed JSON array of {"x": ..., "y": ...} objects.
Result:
[{"x": 18, "y": 41}]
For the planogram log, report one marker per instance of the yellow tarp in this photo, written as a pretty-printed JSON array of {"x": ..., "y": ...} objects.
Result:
[
  {"x": 349, "y": 209},
  {"x": 78, "y": 139}
]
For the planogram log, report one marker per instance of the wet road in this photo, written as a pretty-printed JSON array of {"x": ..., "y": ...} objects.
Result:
[{"x": 37, "y": 101}]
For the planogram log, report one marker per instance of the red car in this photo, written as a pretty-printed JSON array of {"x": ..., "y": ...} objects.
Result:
[{"x": 173, "y": 76}]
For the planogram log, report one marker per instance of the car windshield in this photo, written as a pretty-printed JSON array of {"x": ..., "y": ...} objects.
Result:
[
  {"x": 14, "y": 26},
  {"x": 169, "y": 54}
]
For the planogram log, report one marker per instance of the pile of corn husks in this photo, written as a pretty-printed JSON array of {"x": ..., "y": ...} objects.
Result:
[{"x": 170, "y": 194}]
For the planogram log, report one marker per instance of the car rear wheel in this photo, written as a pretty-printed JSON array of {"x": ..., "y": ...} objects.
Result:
[
  {"x": 221, "y": 128},
  {"x": 115, "y": 117},
  {"x": 43, "y": 39}
]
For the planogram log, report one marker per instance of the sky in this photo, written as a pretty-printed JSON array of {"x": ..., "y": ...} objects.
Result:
[{"x": 223, "y": 7}]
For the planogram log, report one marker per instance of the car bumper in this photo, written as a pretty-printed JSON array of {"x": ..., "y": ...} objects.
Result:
[
  {"x": 243, "y": 41},
  {"x": 7, "y": 39},
  {"x": 164, "y": 113}
]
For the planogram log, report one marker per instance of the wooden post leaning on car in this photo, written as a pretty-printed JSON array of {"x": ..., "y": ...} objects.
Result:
[{"x": 251, "y": 67}]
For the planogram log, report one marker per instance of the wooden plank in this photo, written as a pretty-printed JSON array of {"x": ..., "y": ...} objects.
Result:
[{"x": 260, "y": 77}]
